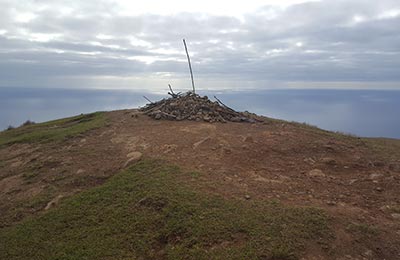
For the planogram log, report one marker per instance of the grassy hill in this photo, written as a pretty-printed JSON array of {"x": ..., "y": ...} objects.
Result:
[{"x": 119, "y": 185}]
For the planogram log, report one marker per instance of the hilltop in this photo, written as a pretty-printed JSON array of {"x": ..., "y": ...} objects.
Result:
[{"x": 122, "y": 185}]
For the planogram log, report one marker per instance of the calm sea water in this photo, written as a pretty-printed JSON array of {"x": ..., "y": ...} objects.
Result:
[{"x": 360, "y": 112}]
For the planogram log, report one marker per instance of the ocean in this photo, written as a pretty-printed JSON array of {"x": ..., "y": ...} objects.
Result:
[{"x": 368, "y": 113}]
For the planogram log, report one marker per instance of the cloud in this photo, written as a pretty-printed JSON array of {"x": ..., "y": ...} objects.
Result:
[{"x": 353, "y": 41}]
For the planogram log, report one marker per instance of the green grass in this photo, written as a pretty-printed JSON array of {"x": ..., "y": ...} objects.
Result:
[
  {"x": 152, "y": 211},
  {"x": 56, "y": 130},
  {"x": 15, "y": 211},
  {"x": 363, "y": 229}
]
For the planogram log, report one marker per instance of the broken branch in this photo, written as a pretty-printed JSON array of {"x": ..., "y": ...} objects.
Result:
[
  {"x": 148, "y": 99},
  {"x": 219, "y": 101},
  {"x": 190, "y": 66}
]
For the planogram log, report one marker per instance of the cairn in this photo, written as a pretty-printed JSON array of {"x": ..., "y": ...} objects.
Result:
[{"x": 190, "y": 106}]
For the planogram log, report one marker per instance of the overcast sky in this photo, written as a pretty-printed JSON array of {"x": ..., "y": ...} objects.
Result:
[{"x": 245, "y": 45}]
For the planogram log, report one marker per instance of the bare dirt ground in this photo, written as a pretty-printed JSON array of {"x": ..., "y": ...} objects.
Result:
[{"x": 356, "y": 180}]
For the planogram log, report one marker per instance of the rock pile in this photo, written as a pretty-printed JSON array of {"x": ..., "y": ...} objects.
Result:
[{"x": 191, "y": 106}]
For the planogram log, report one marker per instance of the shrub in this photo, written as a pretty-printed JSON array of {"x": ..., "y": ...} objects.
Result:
[{"x": 28, "y": 122}]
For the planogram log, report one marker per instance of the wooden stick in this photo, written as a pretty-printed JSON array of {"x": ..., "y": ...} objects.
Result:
[
  {"x": 148, "y": 99},
  {"x": 219, "y": 101},
  {"x": 170, "y": 88},
  {"x": 190, "y": 66}
]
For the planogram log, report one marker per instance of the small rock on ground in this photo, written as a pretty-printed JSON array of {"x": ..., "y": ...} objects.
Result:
[
  {"x": 396, "y": 215},
  {"x": 329, "y": 161},
  {"x": 316, "y": 173},
  {"x": 132, "y": 158},
  {"x": 53, "y": 202},
  {"x": 375, "y": 176}
]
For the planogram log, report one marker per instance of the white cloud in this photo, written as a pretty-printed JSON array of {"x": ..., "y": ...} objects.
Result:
[
  {"x": 104, "y": 37},
  {"x": 24, "y": 17},
  {"x": 224, "y": 7},
  {"x": 251, "y": 42},
  {"x": 390, "y": 14},
  {"x": 44, "y": 37}
]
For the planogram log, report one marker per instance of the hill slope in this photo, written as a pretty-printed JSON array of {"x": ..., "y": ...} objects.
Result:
[{"x": 74, "y": 188}]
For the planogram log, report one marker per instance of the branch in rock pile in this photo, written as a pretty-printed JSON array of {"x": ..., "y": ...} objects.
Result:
[
  {"x": 172, "y": 94},
  {"x": 190, "y": 66},
  {"x": 155, "y": 107},
  {"x": 219, "y": 101},
  {"x": 170, "y": 88},
  {"x": 168, "y": 115},
  {"x": 151, "y": 102}
]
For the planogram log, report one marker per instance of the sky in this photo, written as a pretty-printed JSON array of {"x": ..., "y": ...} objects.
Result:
[{"x": 234, "y": 45}]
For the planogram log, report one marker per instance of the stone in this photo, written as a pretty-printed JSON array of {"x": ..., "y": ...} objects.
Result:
[
  {"x": 375, "y": 176},
  {"x": 190, "y": 106},
  {"x": 331, "y": 203},
  {"x": 367, "y": 253},
  {"x": 378, "y": 164},
  {"x": 168, "y": 148},
  {"x": 395, "y": 216},
  {"x": 248, "y": 139},
  {"x": 329, "y": 161},
  {"x": 53, "y": 202},
  {"x": 329, "y": 147},
  {"x": 309, "y": 160},
  {"x": 379, "y": 189},
  {"x": 227, "y": 150},
  {"x": 79, "y": 171},
  {"x": 132, "y": 158},
  {"x": 247, "y": 197},
  {"x": 202, "y": 141},
  {"x": 316, "y": 173}
]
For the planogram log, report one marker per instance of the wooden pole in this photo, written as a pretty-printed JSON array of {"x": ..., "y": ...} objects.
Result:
[{"x": 190, "y": 66}]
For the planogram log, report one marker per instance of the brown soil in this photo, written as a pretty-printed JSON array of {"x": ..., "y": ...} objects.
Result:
[{"x": 356, "y": 180}]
